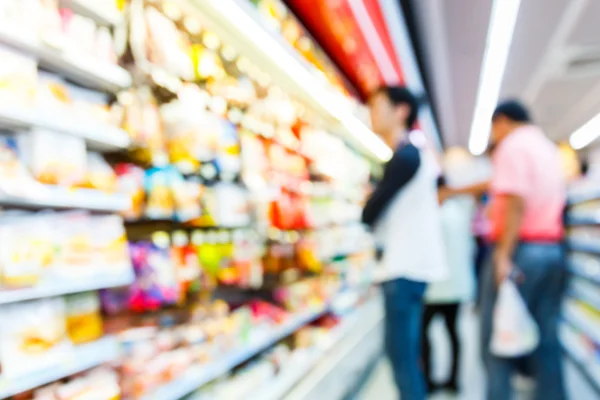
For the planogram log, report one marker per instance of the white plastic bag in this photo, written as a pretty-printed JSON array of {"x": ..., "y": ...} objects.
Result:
[{"x": 514, "y": 332}]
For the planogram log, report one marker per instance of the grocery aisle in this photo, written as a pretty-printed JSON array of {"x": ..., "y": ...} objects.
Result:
[{"x": 381, "y": 387}]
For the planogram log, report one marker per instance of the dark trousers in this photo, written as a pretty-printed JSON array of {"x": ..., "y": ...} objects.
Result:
[
  {"x": 403, "y": 300},
  {"x": 543, "y": 267},
  {"x": 449, "y": 312}
]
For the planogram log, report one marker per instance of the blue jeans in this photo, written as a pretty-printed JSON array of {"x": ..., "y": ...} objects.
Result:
[
  {"x": 403, "y": 318},
  {"x": 543, "y": 267}
]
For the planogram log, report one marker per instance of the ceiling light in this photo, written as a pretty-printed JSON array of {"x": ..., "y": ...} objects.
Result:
[
  {"x": 585, "y": 135},
  {"x": 499, "y": 37}
]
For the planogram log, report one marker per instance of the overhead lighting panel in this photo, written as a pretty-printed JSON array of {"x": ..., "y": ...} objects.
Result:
[
  {"x": 585, "y": 135},
  {"x": 499, "y": 38}
]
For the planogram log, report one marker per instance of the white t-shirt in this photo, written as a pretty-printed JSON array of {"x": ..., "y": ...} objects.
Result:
[{"x": 457, "y": 215}]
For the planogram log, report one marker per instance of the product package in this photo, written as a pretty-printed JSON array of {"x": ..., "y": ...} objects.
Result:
[
  {"x": 36, "y": 337},
  {"x": 84, "y": 322},
  {"x": 54, "y": 158}
]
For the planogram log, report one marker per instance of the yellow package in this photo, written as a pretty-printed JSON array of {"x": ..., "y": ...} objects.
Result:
[{"x": 84, "y": 322}]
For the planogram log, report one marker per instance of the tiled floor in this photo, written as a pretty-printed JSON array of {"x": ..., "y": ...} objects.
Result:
[{"x": 381, "y": 387}]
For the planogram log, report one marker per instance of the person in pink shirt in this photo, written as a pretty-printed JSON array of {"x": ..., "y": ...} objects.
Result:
[{"x": 528, "y": 196}]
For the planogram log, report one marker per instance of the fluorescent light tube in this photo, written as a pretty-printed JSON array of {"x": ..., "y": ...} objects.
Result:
[
  {"x": 499, "y": 37},
  {"x": 585, "y": 135}
]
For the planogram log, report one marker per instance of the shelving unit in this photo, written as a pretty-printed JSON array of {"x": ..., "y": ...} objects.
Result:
[
  {"x": 98, "y": 136},
  {"x": 334, "y": 374},
  {"x": 196, "y": 377},
  {"x": 294, "y": 374},
  {"x": 46, "y": 196},
  {"x": 238, "y": 23},
  {"x": 92, "y": 9},
  {"x": 83, "y": 358},
  {"x": 50, "y": 289},
  {"x": 80, "y": 69},
  {"x": 580, "y": 330}
]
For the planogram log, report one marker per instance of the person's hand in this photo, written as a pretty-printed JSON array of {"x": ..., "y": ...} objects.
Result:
[{"x": 503, "y": 267}]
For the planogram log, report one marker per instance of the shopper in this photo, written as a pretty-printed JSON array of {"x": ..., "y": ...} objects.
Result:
[
  {"x": 404, "y": 212},
  {"x": 444, "y": 298},
  {"x": 527, "y": 201}
]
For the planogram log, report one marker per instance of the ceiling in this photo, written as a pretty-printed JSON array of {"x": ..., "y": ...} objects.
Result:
[{"x": 553, "y": 65}]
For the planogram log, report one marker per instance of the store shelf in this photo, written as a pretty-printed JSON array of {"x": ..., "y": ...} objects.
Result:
[
  {"x": 98, "y": 136},
  {"x": 65, "y": 287},
  {"x": 584, "y": 196},
  {"x": 46, "y": 196},
  {"x": 583, "y": 219},
  {"x": 99, "y": 11},
  {"x": 238, "y": 23},
  {"x": 577, "y": 272},
  {"x": 583, "y": 325},
  {"x": 84, "y": 357},
  {"x": 195, "y": 377},
  {"x": 586, "y": 246},
  {"x": 582, "y": 369},
  {"x": 333, "y": 377},
  {"x": 289, "y": 377},
  {"x": 81, "y": 69}
]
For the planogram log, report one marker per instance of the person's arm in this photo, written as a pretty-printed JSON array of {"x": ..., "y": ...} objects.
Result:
[
  {"x": 400, "y": 170},
  {"x": 475, "y": 190},
  {"x": 509, "y": 238},
  {"x": 510, "y": 186}
]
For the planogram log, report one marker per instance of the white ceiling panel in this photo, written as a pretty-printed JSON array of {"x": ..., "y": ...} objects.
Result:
[
  {"x": 553, "y": 64},
  {"x": 587, "y": 31}
]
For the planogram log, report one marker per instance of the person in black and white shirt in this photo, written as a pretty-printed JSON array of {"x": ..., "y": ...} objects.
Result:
[{"x": 404, "y": 213}]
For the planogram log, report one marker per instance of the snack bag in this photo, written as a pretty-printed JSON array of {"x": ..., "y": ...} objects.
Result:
[
  {"x": 36, "y": 337},
  {"x": 130, "y": 181},
  {"x": 159, "y": 196},
  {"x": 18, "y": 78},
  {"x": 26, "y": 250},
  {"x": 15, "y": 177},
  {"x": 84, "y": 322},
  {"x": 99, "y": 174},
  {"x": 156, "y": 282},
  {"x": 109, "y": 245},
  {"x": 54, "y": 158},
  {"x": 187, "y": 196},
  {"x": 74, "y": 246}
]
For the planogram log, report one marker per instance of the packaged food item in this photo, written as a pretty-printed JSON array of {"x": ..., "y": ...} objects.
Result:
[
  {"x": 18, "y": 78},
  {"x": 167, "y": 46},
  {"x": 54, "y": 158},
  {"x": 156, "y": 282},
  {"x": 187, "y": 196},
  {"x": 26, "y": 250},
  {"x": 99, "y": 174},
  {"x": 130, "y": 181},
  {"x": 52, "y": 93},
  {"x": 88, "y": 103},
  {"x": 74, "y": 250},
  {"x": 79, "y": 33},
  {"x": 109, "y": 245},
  {"x": 50, "y": 28},
  {"x": 159, "y": 194},
  {"x": 84, "y": 322},
  {"x": 15, "y": 177},
  {"x": 192, "y": 132},
  {"x": 142, "y": 120},
  {"x": 35, "y": 338}
]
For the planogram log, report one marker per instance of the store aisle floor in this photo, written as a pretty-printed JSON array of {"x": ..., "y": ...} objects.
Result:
[{"x": 381, "y": 387}]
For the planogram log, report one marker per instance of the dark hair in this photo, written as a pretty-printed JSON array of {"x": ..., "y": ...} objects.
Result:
[
  {"x": 401, "y": 95},
  {"x": 514, "y": 110},
  {"x": 441, "y": 181}
]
